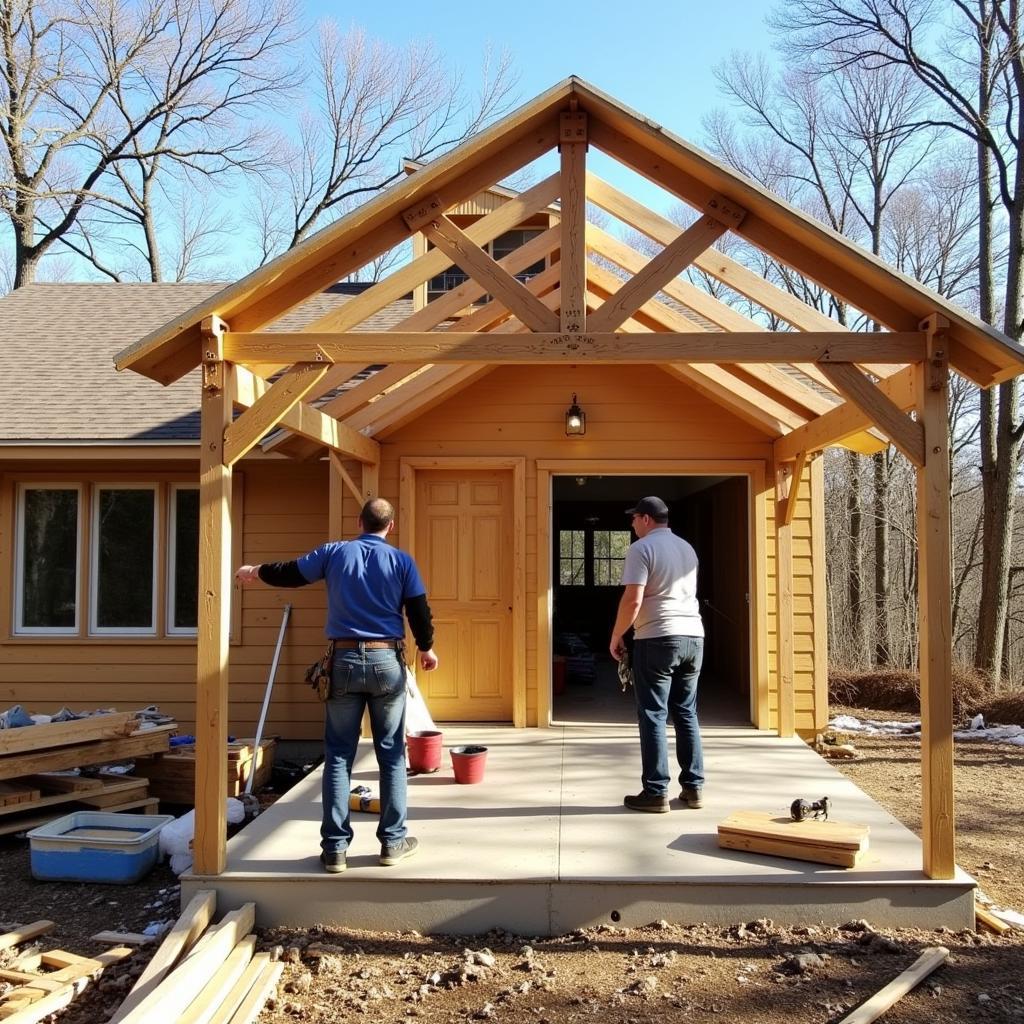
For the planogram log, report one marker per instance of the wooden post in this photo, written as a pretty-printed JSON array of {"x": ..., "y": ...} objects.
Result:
[
  {"x": 210, "y": 845},
  {"x": 784, "y": 486},
  {"x": 934, "y": 577},
  {"x": 371, "y": 481},
  {"x": 573, "y": 146}
]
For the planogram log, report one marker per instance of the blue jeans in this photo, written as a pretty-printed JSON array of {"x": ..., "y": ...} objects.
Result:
[
  {"x": 665, "y": 671},
  {"x": 373, "y": 679}
]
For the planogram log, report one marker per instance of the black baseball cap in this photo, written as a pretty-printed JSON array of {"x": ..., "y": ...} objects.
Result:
[{"x": 651, "y": 506}]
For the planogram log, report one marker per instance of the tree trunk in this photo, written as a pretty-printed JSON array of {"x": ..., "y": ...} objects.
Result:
[
  {"x": 855, "y": 582},
  {"x": 26, "y": 253},
  {"x": 880, "y": 500}
]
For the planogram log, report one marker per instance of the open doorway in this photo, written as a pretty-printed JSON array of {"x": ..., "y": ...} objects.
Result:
[{"x": 590, "y": 535}]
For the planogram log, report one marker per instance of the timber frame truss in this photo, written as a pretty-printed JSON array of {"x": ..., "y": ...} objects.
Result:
[{"x": 807, "y": 386}]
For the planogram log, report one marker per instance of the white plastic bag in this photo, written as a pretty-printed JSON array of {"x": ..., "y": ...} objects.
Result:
[
  {"x": 176, "y": 836},
  {"x": 417, "y": 714}
]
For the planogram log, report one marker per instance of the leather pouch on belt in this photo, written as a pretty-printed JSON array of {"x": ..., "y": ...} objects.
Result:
[{"x": 318, "y": 675}]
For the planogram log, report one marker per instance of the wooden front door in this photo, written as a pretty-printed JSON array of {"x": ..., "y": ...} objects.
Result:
[{"x": 464, "y": 547}]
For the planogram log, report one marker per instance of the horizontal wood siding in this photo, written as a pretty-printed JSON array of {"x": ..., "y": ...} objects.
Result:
[{"x": 633, "y": 412}]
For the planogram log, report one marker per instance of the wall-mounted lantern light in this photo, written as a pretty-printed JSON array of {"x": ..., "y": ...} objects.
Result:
[{"x": 575, "y": 420}]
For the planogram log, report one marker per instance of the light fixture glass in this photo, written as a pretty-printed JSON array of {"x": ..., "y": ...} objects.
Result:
[{"x": 575, "y": 420}]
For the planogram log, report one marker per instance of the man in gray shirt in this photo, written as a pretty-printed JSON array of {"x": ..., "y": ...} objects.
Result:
[{"x": 660, "y": 601}]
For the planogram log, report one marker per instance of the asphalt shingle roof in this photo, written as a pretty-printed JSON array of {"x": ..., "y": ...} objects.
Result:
[{"x": 57, "y": 343}]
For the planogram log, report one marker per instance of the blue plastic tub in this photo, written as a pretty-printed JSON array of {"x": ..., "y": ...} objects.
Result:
[{"x": 96, "y": 846}]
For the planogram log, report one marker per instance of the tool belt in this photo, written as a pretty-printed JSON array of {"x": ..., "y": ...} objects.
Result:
[
  {"x": 368, "y": 645},
  {"x": 318, "y": 675}
]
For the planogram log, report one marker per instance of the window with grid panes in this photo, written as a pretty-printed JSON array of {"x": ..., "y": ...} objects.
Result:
[
  {"x": 610, "y": 547},
  {"x": 571, "y": 558}
]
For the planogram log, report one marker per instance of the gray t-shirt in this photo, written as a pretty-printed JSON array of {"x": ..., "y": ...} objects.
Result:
[{"x": 666, "y": 565}]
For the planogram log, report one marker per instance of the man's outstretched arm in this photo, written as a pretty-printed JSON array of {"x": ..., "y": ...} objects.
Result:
[{"x": 275, "y": 574}]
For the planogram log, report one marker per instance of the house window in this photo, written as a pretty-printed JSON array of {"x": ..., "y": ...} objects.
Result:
[
  {"x": 183, "y": 557},
  {"x": 124, "y": 560},
  {"x": 93, "y": 559},
  {"x": 49, "y": 538},
  {"x": 498, "y": 248},
  {"x": 571, "y": 561},
  {"x": 610, "y": 547}
]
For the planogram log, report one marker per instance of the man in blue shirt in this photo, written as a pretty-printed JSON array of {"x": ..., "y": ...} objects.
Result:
[{"x": 369, "y": 585}]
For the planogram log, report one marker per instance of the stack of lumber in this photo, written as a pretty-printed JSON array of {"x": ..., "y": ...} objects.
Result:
[
  {"x": 826, "y": 842},
  {"x": 204, "y": 975},
  {"x": 37, "y": 993},
  {"x": 172, "y": 776},
  {"x": 31, "y": 794}
]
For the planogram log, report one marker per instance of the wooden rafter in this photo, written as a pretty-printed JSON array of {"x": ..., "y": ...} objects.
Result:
[
  {"x": 270, "y": 408},
  {"x": 844, "y": 420},
  {"x": 646, "y": 283},
  {"x": 843, "y": 276},
  {"x": 481, "y": 266},
  {"x": 460, "y": 346},
  {"x": 905, "y": 433},
  {"x": 309, "y": 422}
]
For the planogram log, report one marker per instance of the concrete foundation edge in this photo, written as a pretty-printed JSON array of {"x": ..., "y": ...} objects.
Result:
[{"x": 555, "y": 908}]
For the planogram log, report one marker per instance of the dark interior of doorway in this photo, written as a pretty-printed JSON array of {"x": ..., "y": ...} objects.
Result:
[{"x": 590, "y": 532}]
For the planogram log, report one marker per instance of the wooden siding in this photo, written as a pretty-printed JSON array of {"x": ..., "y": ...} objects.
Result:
[{"x": 633, "y": 412}]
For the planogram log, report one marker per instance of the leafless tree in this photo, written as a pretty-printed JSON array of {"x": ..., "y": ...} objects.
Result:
[
  {"x": 967, "y": 54},
  {"x": 99, "y": 94},
  {"x": 369, "y": 106}
]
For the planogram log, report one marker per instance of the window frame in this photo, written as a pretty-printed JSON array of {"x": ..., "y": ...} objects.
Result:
[
  {"x": 17, "y": 628},
  {"x": 172, "y": 556},
  {"x": 605, "y": 560},
  {"x": 96, "y": 488}
]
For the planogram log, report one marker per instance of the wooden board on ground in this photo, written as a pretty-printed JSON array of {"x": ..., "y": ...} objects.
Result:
[
  {"x": 61, "y": 734},
  {"x": 837, "y": 835},
  {"x": 25, "y": 933},
  {"x": 82, "y": 755},
  {"x": 172, "y": 776},
  {"x": 839, "y": 844}
]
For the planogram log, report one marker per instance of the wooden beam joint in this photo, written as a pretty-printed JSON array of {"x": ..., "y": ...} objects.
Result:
[
  {"x": 423, "y": 213},
  {"x": 725, "y": 211},
  {"x": 936, "y": 363},
  {"x": 213, "y": 330},
  {"x": 572, "y": 128}
]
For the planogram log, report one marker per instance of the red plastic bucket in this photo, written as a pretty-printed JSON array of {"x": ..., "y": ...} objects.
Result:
[
  {"x": 468, "y": 764},
  {"x": 424, "y": 751}
]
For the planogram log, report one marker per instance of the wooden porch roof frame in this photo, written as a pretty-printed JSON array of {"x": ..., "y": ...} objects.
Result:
[{"x": 577, "y": 312}]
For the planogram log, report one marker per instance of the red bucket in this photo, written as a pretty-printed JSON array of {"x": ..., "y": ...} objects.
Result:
[
  {"x": 468, "y": 764},
  {"x": 424, "y": 751}
]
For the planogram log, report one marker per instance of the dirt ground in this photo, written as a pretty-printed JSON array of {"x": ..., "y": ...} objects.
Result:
[{"x": 752, "y": 972}]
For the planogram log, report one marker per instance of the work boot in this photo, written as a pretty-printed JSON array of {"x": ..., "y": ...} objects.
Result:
[
  {"x": 692, "y": 797},
  {"x": 334, "y": 861},
  {"x": 390, "y": 855},
  {"x": 652, "y": 803}
]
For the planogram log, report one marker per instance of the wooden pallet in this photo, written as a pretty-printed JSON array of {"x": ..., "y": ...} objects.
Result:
[
  {"x": 172, "y": 776},
  {"x": 82, "y": 755},
  {"x": 840, "y": 844}
]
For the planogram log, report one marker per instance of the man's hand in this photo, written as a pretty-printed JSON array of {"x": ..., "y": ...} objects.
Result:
[
  {"x": 246, "y": 574},
  {"x": 428, "y": 660},
  {"x": 617, "y": 648}
]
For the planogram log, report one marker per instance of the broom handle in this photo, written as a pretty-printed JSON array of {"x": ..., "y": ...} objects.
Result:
[{"x": 266, "y": 698}]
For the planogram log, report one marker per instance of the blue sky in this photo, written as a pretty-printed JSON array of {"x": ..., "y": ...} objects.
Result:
[{"x": 655, "y": 57}]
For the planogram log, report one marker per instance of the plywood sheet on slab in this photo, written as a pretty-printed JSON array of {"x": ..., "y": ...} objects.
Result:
[{"x": 836, "y": 835}]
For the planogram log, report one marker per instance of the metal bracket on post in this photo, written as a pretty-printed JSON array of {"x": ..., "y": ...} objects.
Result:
[
  {"x": 572, "y": 128},
  {"x": 936, "y": 362},
  {"x": 213, "y": 330}
]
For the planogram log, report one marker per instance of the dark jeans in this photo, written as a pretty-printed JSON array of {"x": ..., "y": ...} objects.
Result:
[
  {"x": 360, "y": 679},
  {"x": 665, "y": 671}
]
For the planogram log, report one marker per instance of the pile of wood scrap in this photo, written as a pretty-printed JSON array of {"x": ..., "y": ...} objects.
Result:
[
  {"x": 31, "y": 793},
  {"x": 43, "y": 983},
  {"x": 825, "y": 842},
  {"x": 835, "y": 746},
  {"x": 203, "y": 973},
  {"x": 172, "y": 775}
]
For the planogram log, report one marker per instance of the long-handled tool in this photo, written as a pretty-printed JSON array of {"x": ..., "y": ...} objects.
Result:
[{"x": 249, "y": 802}]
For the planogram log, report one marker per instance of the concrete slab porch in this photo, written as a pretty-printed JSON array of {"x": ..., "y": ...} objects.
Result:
[{"x": 544, "y": 846}]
